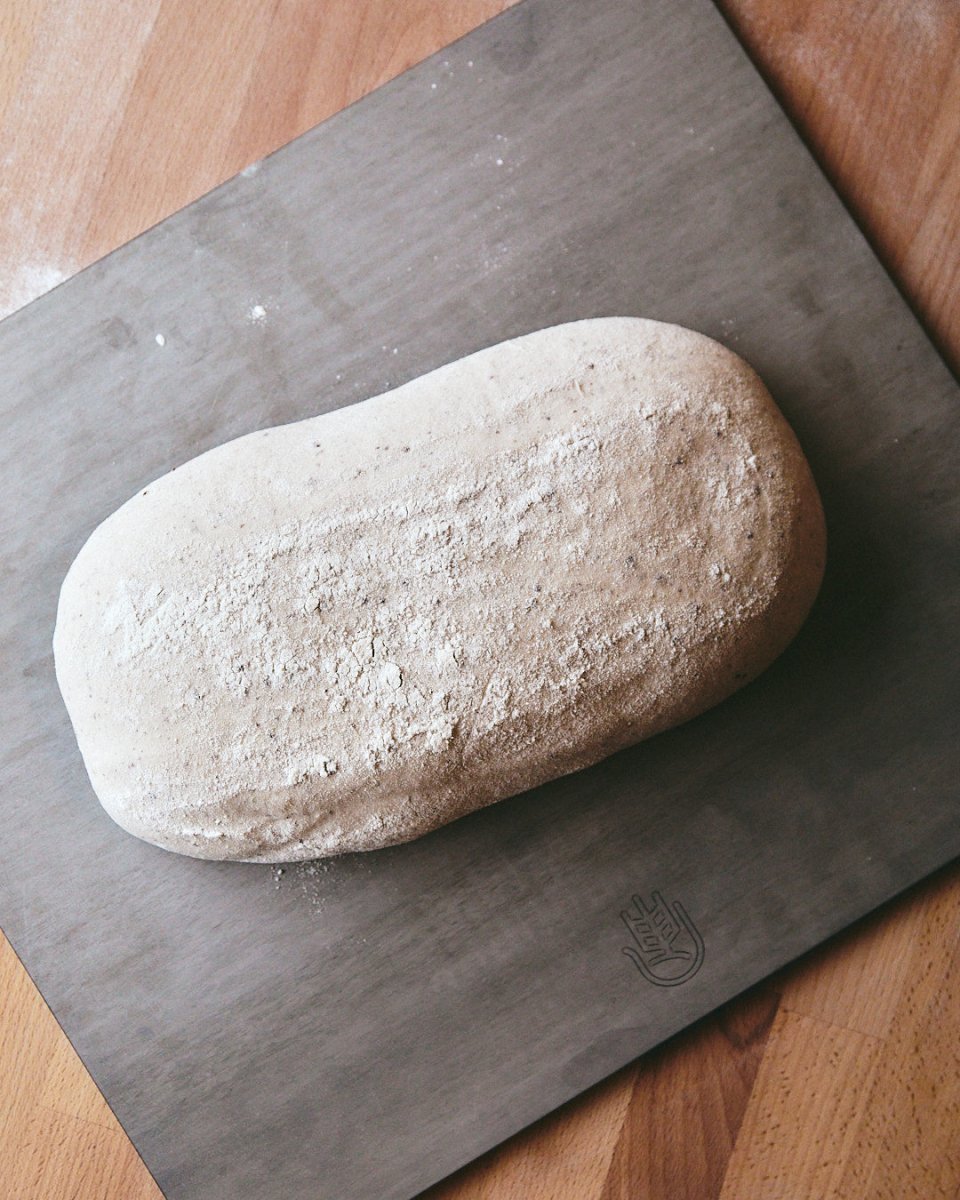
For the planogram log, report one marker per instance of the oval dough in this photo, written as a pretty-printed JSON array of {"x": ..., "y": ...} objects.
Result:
[{"x": 341, "y": 633}]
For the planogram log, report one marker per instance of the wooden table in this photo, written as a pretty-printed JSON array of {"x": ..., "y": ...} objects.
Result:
[{"x": 841, "y": 1076}]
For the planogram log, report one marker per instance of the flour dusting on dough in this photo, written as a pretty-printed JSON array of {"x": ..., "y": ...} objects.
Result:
[{"x": 350, "y": 630}]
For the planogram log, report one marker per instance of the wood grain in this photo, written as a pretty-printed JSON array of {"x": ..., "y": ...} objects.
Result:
[
  {"x": 58, "y": 1138},
  {"x": 114, "y": 115},
  {"x": 874, "y": 87},
  {"x": 840, "y": 1077}
]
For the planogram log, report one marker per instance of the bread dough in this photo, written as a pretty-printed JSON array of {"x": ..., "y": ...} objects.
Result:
[{"x": 342, "y": 633}]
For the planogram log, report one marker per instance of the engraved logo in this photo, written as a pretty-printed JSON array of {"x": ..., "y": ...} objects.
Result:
[{"x": 669, "y": 948}]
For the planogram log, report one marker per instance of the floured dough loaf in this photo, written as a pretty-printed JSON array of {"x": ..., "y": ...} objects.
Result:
[{"x": 339, "y": 634}]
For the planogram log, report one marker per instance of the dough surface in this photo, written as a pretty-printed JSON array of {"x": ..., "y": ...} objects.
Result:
[{"x": 339, "y": 634}]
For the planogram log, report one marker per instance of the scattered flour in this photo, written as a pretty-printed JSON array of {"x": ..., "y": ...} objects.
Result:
[{"x": 27, "y": 283}]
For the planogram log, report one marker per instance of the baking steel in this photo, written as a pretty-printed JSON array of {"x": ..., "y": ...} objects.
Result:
[{"x": 360, "y": 1031}]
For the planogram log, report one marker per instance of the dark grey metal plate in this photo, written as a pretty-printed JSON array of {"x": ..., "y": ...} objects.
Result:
[{"x": 362, "y": 1031}]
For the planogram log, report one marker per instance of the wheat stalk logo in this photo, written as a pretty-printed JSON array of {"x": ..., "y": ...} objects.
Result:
[{"x": 669, "y": 948}]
